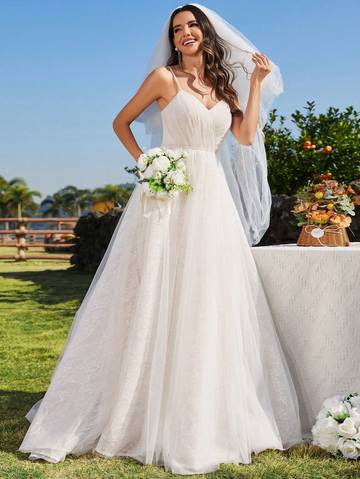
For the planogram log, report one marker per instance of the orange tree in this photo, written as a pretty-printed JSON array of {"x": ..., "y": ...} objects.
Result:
[{"x": 325, "y": 143}]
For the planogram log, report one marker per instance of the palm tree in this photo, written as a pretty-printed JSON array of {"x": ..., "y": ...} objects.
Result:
[
  {"x": 74, "y": 200},
  {"x": 18, "y": 196},
  {"x": 114, "y": 193},
  {"x": 4, "y": 185},
  {"x": 52, "y": 205}
]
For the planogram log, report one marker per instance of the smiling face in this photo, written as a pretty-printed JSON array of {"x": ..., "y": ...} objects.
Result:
[{"x": 187, "y": 35}]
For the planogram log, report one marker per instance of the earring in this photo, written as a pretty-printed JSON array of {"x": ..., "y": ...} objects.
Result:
[{"x": 178, "y": 55}]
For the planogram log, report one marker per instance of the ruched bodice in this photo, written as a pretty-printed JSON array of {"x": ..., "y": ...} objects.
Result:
[{"x": 188, "y": 123}]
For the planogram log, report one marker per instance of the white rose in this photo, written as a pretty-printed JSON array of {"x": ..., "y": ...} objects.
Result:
[
  {"x": 347, "y": 428},
  {"x": 177, "y": 177},
  {"x": 322, "y": 413},
  {"x": 142, "y": 161},
  {"x": 149, "y": 171},
  {"x": 154, "y": 151},
  {"x": 348, "y": 448},
  {"x": 324, "y": 433},
  {"x": 332, "y": 401},
  {"x": 161, "y": 164},
  {"x": 339, "y": 411},
  {"x": 181, "y": 164},
  {"x": 168, "y": 152},
  {"x": 355, "y": 416},
  {"x": 355, "y": 401}
]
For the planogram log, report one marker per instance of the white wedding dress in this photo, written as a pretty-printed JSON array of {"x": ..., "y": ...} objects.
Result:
[{"x": 173, "y": 358}]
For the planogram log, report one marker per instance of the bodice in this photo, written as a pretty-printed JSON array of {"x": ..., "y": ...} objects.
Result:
[{"x": 187, "y": 122}]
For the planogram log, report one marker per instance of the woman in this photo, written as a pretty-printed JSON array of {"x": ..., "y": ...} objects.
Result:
[{"x": 173, "y": 358}]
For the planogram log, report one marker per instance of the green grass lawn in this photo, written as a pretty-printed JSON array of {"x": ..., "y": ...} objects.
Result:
[{"x": 38, "y": 302}]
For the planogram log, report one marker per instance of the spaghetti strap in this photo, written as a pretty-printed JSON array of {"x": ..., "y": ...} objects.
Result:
[{"x": 178, "y": 87}]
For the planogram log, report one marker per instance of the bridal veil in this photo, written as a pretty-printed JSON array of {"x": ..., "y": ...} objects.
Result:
[{"x": 245, "y": 166}]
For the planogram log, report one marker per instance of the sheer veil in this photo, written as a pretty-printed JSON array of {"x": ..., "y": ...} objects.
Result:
[{"x": 245, "y": 166}]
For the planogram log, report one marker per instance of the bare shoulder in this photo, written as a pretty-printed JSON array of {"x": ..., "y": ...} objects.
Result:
[
  {"x": 161, "y": 80},
  {"x": 160, "y": 76},
  {"x": 156, "y": 86}
]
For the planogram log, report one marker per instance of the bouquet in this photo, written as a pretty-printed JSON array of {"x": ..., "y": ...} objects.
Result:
[
  {"x": 337, "y": 426},
  {"x": 325, "y": 201},
  {"x": 162, "y": 173}
]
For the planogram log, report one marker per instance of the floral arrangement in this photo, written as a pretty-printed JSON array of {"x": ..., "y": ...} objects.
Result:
[
  {"x": 162, "y": 173},
  {"x": 337, "y": 426},
  {"x": 325, "y": 201}
]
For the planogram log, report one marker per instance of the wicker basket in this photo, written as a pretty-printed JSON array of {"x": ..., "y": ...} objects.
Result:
[{"x": 331, "y": 235}]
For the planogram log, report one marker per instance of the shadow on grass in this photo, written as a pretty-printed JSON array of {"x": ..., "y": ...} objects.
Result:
[
  {"x": 14, "y": 405},
  {"x": 51, "y": 286}
]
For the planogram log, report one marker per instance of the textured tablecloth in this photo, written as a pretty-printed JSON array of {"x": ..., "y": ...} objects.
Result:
[{"x": 314, "y": 295}]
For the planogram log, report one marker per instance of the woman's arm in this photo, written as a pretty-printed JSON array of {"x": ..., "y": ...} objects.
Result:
[
  {"x": 151, "y": 89},
  {"x": 244, "y": 125}
]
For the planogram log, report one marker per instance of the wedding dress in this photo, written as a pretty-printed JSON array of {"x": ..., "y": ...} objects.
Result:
[{"x": 173, "y": 358}]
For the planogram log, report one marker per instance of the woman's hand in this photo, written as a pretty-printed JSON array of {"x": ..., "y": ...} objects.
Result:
[
  {"x": 262, "y": 67},
  {"x": 244, "y": 127}
]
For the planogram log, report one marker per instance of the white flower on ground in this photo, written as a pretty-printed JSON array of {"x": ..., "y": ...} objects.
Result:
[
  {"x": 355, "y": 402},
  {"x": 324, "y": 433},
  {"x": 339, "y": 411},
  {"x": 322, "y": 413},
  {"x": 348, "y": 448},
  {"x": 347, "y": 428},
  {"x": 332, "y": 401},
  {"x": 355, "y": 416},
  {"x": 161, "y": 164}
]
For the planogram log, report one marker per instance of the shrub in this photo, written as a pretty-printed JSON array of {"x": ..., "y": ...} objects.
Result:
[{"x": 291, "y": 163}]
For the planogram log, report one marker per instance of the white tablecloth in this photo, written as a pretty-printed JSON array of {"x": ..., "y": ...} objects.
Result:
[{"x": 314, "y": 295}]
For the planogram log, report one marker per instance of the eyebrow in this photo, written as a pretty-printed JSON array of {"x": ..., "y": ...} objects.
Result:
[{"x": 179, "y": 25}]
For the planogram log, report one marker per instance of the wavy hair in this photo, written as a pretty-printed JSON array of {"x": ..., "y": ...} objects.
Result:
[{"x": 218, "y": 69}]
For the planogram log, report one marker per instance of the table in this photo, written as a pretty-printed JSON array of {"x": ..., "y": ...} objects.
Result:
[{"x": 314, "y": 296}]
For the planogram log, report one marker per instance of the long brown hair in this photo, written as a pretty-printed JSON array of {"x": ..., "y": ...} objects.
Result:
[{"x": 218, "y": 70}]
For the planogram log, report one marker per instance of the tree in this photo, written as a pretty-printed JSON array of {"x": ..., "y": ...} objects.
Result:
[
  {"x": 115, "y": 193},
  {"x": 326, "y": 142},
  {"x": 72, "y": 200},
  {"x": 18, "y": 197}
]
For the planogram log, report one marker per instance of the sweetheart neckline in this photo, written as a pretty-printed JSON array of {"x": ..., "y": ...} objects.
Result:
[{"x": 196, "y": 99}]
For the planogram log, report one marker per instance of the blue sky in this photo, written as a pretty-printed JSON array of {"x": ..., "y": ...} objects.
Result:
[{"x": 68, "y": 67}]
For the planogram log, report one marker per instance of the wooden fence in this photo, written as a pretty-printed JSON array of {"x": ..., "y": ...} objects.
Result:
[{"x": 23, "y": 238}]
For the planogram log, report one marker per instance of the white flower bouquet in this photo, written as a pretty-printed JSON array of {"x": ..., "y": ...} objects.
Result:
[
  {"x": 337, "y": 426},
  {"x": 162, "y": 173}
]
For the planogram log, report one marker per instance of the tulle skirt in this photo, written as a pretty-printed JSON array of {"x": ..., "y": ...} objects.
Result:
[{"x": 173, "y": 358}]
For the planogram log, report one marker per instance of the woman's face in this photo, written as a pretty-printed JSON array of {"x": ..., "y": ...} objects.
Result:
[{"x": 187, "y": 33}]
